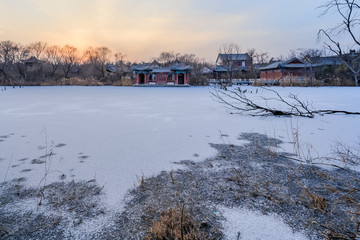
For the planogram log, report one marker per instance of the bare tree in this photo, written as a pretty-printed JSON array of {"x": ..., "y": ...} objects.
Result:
[
  {"x": 196, "y": 64},
  {"x": 262, "y": 58},
  {"x": 7, "y": 56},
  {"x": 69, "y": 57},
  {"x": 167, "y": 57},
  {"x": 12, "y": 59},
  {"x": 21, "y": 55},
  {"x": 188, "y": 58},
  {"x": 259, "y": 59},
  {"x": 292, "y": 54},
  {"x": 349, "y": 11},
  {"x": 229, "y": 53},
  {"x": 53, "y": 56},
  {"x": 119, "y": 58},
  {"x": 310, "y": 55},
  {"x": 37, "y": 49},
  {"x": 121, "y": 66},
  {"x": 98, "y": 57}
]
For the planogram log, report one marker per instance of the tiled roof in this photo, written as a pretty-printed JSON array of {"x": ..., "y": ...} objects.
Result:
[
  {"x": 110, "y": 68},
  {"x": 287, "y": 64},
  {"x": 234, "y": 57},
  {"x": 180, "y": 68},
  {"x": 161, "y": 70},
  {"x": 141, "y": 67},
  {"x": 157, "y": 69},
  {"x": 331, "y": 60},
  {"x": 220, "y": 68}
]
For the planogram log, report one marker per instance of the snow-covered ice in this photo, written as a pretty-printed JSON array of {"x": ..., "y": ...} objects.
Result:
[
  {"x": 117, "y": 134},
  {"x": 244, "y": 224},
  {"x": 122, "y": 133}
]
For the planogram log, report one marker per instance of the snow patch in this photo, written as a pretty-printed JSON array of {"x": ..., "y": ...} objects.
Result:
[{"x": 244, "y": 224}]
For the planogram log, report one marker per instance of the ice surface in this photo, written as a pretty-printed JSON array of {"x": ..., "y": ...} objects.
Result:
[{"x": 117, "y": 134}]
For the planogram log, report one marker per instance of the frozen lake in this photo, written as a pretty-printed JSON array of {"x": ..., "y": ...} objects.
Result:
[{"x": 117, "y": 134}]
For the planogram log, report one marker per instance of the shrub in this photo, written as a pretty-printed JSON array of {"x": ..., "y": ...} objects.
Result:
[
  {"x": 76, "y": 81},
  {"x": 174, "y": 223}
]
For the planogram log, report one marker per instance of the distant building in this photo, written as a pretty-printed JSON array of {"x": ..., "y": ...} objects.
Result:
[
  {"x": 335, "y": 70},
  {"x": 220, "y": 72},
  {"x": 231, "y": 66},
  {"x": 177, "y": 74},
  {"x": 31, "y": 61},
  {"x": 206, "y": 71},
  {"x": 327, "y": 61},
  {"x": 292, "y": 70},
  {"x": 110, "y": 68},
  {"x": 235, "y": 61}
]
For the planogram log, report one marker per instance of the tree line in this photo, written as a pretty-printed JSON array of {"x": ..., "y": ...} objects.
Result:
[{"x": 39, "y": 63}]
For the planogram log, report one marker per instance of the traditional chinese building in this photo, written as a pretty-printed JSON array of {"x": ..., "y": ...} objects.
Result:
[
  {"x": 292, "y": 70},
  {"x": 232, "y": 66},
  {"x": 177, "y": 74},
  {"x": 238, "y": 61}
]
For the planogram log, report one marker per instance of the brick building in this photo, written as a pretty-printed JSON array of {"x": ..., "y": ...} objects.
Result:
[{"x": 290, "y": 70}]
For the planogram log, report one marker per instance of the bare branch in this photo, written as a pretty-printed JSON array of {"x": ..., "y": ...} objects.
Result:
[
  {"x": 349, "y": 11},
  {"x": 236, "y": 99}
]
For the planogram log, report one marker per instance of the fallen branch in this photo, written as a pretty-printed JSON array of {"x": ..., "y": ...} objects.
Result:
[{"x": 236, "y": 99}]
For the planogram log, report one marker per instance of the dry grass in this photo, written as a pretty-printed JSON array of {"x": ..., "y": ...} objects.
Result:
[
  {"x": 327, "y": 195},
  {"x": 317, "y": 202},
  {"x": 320, "y": 202},
  {"x": 177, "y": 224},
  {"x": 123, "y": 82},
  {"x": 286, "y": 82},
  {"x": 339, "y": 82},
  {"x": 142, "y": 182},
  {"x": 76, "y": 81}
]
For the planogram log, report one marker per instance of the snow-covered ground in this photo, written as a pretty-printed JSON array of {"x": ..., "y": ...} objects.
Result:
[
  {"x": 117, "y": 134},
  {"x": 245, "y": 224}
]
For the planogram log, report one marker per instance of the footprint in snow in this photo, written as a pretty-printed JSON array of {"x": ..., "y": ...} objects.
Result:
[
  {"x": 60, "y": 145},
  {"x": 37, "y": 161}
]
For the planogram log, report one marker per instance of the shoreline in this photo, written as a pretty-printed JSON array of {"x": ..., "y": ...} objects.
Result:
[{"x": 309, "y": 199}]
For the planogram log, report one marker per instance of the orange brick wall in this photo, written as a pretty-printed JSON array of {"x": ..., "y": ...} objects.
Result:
[{"x": 271, "y": 74}]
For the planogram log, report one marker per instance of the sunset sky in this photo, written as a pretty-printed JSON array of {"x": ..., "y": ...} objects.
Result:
[{"x": 141, "y": 29}]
